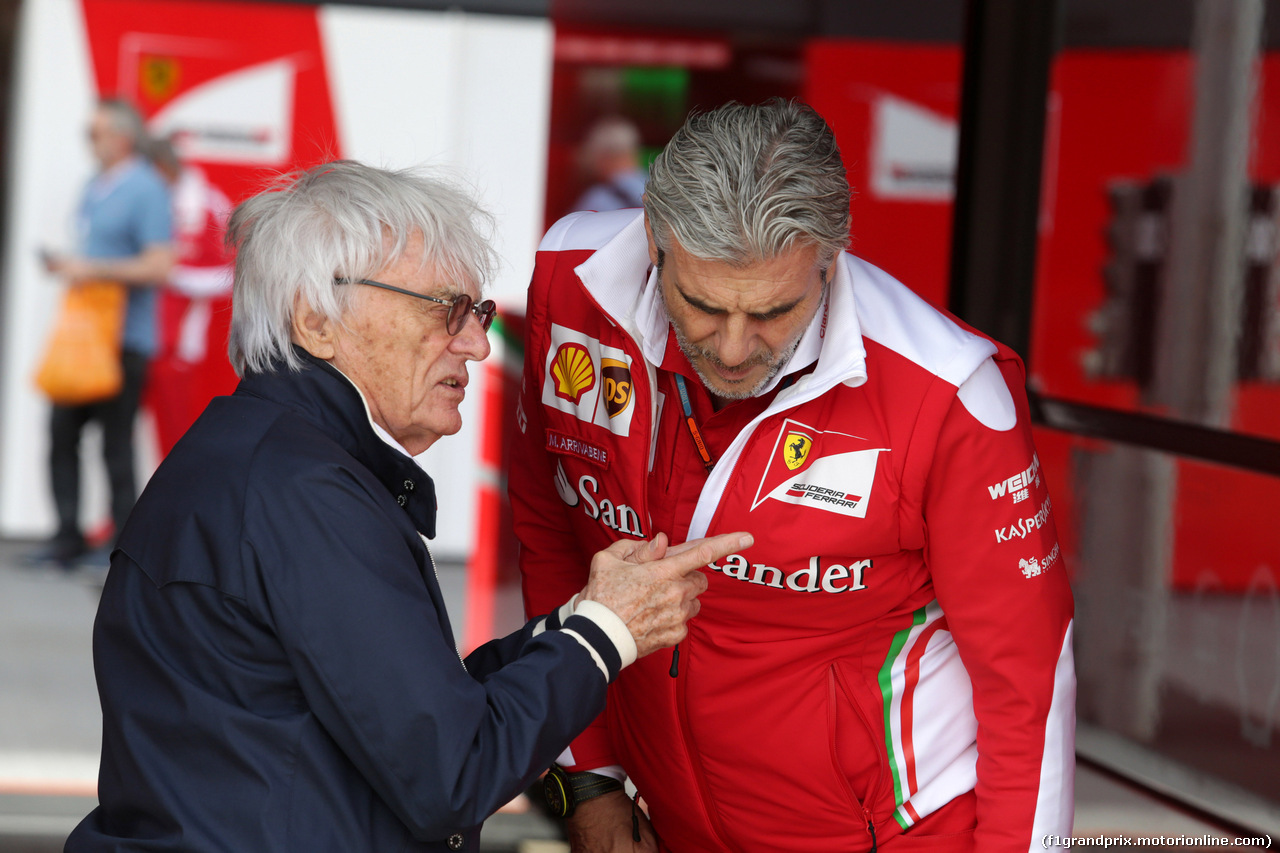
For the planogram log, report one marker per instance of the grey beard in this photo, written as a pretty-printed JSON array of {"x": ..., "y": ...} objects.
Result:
[{"x": 775, "y": 365}]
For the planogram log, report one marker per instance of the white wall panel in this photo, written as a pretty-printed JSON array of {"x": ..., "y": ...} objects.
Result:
[{"x": 50, "y": 162}]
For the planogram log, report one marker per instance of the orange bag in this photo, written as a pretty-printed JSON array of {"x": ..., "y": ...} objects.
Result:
[{"x": 82, "y": 358}]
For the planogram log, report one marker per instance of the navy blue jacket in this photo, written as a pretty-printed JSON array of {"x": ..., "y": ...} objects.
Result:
[{"x": 274, "y": 659}]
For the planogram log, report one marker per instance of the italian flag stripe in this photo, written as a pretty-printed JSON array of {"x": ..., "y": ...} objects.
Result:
[
  {"x": 898, "y": 678},
  {"x": 908, "y": 701}
]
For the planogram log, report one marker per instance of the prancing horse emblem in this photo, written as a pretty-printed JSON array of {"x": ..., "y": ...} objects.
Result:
[{"x": 796, "y": 449}]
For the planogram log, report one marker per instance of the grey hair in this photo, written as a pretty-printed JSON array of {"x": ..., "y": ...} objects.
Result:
[
  {"x": 340, "y": 220},
  {"x": 125, "y": 118},
  {"x": 742, "y": 184}
]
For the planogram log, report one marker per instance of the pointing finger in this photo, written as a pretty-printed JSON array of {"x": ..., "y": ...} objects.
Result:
[
  {"x": 694, "y": 543},
  {"x": 694, "y": 555}
]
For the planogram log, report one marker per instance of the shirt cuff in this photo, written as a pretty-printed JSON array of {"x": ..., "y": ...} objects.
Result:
[{"x": 613, "y": 771}]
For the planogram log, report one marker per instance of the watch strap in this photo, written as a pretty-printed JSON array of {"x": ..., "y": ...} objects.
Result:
[
  {"x": 564, "y": 790},
  {"x": 587, "y": 785}
]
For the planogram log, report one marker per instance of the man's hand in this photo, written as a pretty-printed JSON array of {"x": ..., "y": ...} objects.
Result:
[
  {"x": 654, "y": 588},
  {"x": 69, "y": 267},
  {"x": 603, "y": 824},
  {"x": 149, "y": 267}
]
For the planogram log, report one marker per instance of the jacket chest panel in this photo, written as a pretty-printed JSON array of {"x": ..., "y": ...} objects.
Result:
[
  {"x": 823, "y": 504},
  {"x": 596, "y": 476}
]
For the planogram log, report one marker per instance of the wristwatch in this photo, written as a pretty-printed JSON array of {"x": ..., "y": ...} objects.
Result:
[{"x": 564, "y": 790}]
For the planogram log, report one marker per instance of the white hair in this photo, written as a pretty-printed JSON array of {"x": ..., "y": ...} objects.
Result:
[
  {"x": 340, "y": 220},
  {"x": 742, "y": 184}
]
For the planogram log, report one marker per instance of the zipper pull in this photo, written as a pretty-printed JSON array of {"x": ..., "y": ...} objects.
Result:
[
  {"x": 675, "y": 661},
  {"x": 871, "y": 828}
]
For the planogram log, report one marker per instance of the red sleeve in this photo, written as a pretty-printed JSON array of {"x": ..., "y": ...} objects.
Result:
[
  {"x": 993, "y": 553},
  {"x": 552, "y": 565}
]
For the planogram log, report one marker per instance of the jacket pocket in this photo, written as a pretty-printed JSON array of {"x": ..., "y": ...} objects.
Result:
[
  {"x": 948, "y": 830},
  {"x": 857, "y": 748}
]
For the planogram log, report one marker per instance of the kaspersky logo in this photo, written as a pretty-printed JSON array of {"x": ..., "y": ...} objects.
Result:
[{"x": 573, "y": 371}]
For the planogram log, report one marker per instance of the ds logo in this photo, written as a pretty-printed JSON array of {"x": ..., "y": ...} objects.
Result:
[{"x": 617, "y": 385}]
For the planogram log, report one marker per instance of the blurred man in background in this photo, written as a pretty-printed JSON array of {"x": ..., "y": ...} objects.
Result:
[
  {"x": 125, "y": 231},
  {"x": 610, "y": 158}
]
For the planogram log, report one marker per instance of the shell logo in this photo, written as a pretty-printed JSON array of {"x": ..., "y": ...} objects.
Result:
[{"x": 574, "y": 372}]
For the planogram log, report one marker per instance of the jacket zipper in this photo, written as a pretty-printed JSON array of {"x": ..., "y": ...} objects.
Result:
[
  {"x": 432, "y": 560},
  {"x": 836, "y": 686},
  {"x": 695, "y": 762},
  {"x": 685, "y": 735}
]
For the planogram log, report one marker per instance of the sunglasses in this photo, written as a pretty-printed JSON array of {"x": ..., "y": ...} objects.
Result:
[{"x": 459, "y": 306}]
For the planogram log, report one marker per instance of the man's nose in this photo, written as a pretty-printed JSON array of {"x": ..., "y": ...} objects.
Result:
[
  {"x": 472, "y": 340},
  {"x": 734, "y": 344}
]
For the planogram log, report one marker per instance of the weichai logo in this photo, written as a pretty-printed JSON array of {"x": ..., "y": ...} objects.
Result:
[
  {"x": 573, "y": 371},
  {"x": 1018, "y": 485}
]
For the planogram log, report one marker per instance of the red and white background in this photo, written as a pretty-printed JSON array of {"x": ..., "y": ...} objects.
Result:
[{"x": 253, "y": 90}]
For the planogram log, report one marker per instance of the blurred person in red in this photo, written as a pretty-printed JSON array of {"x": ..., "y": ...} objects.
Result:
[{"x": 191, "y": 366}]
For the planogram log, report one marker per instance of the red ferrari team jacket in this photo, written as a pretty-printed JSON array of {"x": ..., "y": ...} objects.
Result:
[{"x": 897, "y": 639}]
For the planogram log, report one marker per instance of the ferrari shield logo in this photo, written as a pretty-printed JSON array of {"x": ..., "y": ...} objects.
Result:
[
  {"x": 158, "y": 77},
  {"x": 795, "y": 449}
]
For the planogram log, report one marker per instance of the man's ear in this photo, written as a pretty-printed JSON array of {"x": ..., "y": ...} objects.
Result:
[
  {"x": 312, "y": 330},
  {"x": 653, "y": 247}
]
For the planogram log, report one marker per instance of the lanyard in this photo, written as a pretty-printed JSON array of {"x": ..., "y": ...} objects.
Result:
[{"x": 687, "y": 406}]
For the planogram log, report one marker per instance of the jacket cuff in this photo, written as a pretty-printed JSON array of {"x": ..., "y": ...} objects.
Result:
[
  {"x": 604, "y": 635},
  {"x": 554, "y": 620},
  {"x": 612, "y": 624}
]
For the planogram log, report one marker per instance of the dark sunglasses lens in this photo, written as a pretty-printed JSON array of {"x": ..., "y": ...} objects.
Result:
[
  {"x": 458, "y": 313},
  {"x": 485, "y": 312}
]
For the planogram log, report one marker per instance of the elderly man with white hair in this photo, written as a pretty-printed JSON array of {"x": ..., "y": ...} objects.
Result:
[{"x": 276, "y": 665}]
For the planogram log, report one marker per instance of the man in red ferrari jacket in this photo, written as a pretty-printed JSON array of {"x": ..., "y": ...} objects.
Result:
[{"x": 889, "y": 666}]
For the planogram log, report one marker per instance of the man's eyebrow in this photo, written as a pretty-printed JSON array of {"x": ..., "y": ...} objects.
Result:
[
  {"x": 776, "y": 311},
  {"x": 701, "y": 306}
]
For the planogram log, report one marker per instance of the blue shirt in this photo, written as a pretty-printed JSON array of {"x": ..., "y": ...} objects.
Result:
[
  {"x": 124, "y": 211},
  {"x": 624, "y": 191}
]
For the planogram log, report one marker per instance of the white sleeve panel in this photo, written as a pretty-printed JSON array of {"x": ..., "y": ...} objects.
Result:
[
  {"x": 1055, "y": 807},
  {"x": 986, "y": 396}
]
